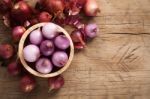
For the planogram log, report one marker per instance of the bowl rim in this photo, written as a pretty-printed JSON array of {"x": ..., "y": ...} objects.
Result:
[{"x": 34, "y": 72}]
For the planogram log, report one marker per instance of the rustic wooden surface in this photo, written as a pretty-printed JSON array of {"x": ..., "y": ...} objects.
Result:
[{"x": 116, "y": 65}]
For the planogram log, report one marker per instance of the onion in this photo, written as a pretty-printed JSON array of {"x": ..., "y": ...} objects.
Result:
[
  {"x": 6, "y": 51},
  {"x": 21, "y": 11},
  {"x": 54, "y": 6},
  {"x": 44, "y": 17},
  {"x": 5, "y": 6},
  {"x": 62, "y": 42},
  {"x": 27, "y": 83},
  {"x": 17, "y": 33},
  {"x": 44, "y": 66},
  {"x": 91, "y": 30},
  {"x": 91, "y": 8},
  {"x": 36, "y": 36},
  {"x": 78, "y": 37},
  {"x": 31, "y": 53},
  {"x": 49, "y": 30},
  {"x": 59, "y": 58},
  {"x": 55, "y": 83},
  {"x": 47, "y": 47},
  {"x": 13, "y": 68}
]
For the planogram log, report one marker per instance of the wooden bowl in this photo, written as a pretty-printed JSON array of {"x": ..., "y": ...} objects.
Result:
[{"x": 34, "y": 72}]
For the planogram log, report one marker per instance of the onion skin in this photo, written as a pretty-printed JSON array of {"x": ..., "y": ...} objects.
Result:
[
  {"x": 54, "y": 6},
  {"x": 27, "y": 83},
  {"x": 44, "y": 17},
  {"x": 78, "y": 37},
  {"x": 6, "y": 51},
  {"x": 13, "y": 68},
  {"x": 21, "y": 11},
  {"x": 55, "y": 83},
  {"x": 17, "y": 33},
  {"x": 91, "y": 8}
]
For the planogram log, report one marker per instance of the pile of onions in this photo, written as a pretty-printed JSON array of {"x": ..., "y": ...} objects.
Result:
[{"x": 47, "y": 49}]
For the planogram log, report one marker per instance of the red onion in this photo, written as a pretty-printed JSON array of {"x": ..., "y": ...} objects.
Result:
[
  {"x": 54, "y": 6},
  {"x": 36, "y": 36},
  {"x": 17, "y": 33},
  {"x": 59, "y": 58},
  {"x": 78, "y": 37},
  {"x": 47, "y": 47},
  {"x": 44, "y": 66},
  {"x": 62, "y": 42},
  {"x": 49, "y": 30},
  {"x": 5, "y": 6},
  {"x": 6, "y": 51},
  {"x": 44, "y": 17},
  {"x": 21, "y": 11},
  {"x": 91, "y": 8},
  {"x": 55, "y": 83},
  {"x": 13, "y": 68},
  {"x": 27, "y": 83},
  {"x": 31, "y": 53},
  {"x": 91, "y": 30}
]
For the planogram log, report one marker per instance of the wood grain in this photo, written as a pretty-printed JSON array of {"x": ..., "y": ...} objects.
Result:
[{"x": 115, "y": 65}]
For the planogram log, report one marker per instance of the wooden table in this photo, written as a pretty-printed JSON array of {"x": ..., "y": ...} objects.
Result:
[{"x": 115, "y": 65}]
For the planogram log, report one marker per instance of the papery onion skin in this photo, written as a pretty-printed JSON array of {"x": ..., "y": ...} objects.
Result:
[
  {"x": 55, "y": 83},
  {"x": 6, "y": 51},
  {"x": 49, "y": 30},
  {"x": 62, "y": 42},
  {"x": 31, "y": 53},
  {"x": 91, "y": 8},
  {"x": 43, "y": 65},
  {"x": 17, "y": 33},
  {"x": 44, "y": 17},
  {"x": 47, "y": 47},
  {"x": 36, "y": 36},
  {"x": 59, "y": 58},
  {"x": 78, "y": 37},
  {"x": 27, "y": 83}
]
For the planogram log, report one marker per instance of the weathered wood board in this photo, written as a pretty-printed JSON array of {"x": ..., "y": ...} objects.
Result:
[{"x": 115, "y": 65}]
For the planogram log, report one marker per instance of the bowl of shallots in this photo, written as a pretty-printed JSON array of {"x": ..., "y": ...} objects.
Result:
[{"x": 46, "y": 50}]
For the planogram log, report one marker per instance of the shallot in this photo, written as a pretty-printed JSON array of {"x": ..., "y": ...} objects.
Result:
[
  {"x": 62, "y": 42},
  {"x": 49, "y": 30},
  {"x": 17, "y": 33},
  {"x": 13, "y": 68},
  {"x": 43, "y": 65},
  {"x": 59, "y": 58},
  {"x": 36, "y": 36},
  {"x": 27, "y": 83},
  {"x": 91, "y": 8},
  {"x": 31, "y": 53},
  {"x": 55, "y": 83},
  {"x": 6, "y": 51},
  {"x": 91, "y": 30},
  {"x": 47, "y": 47}
]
